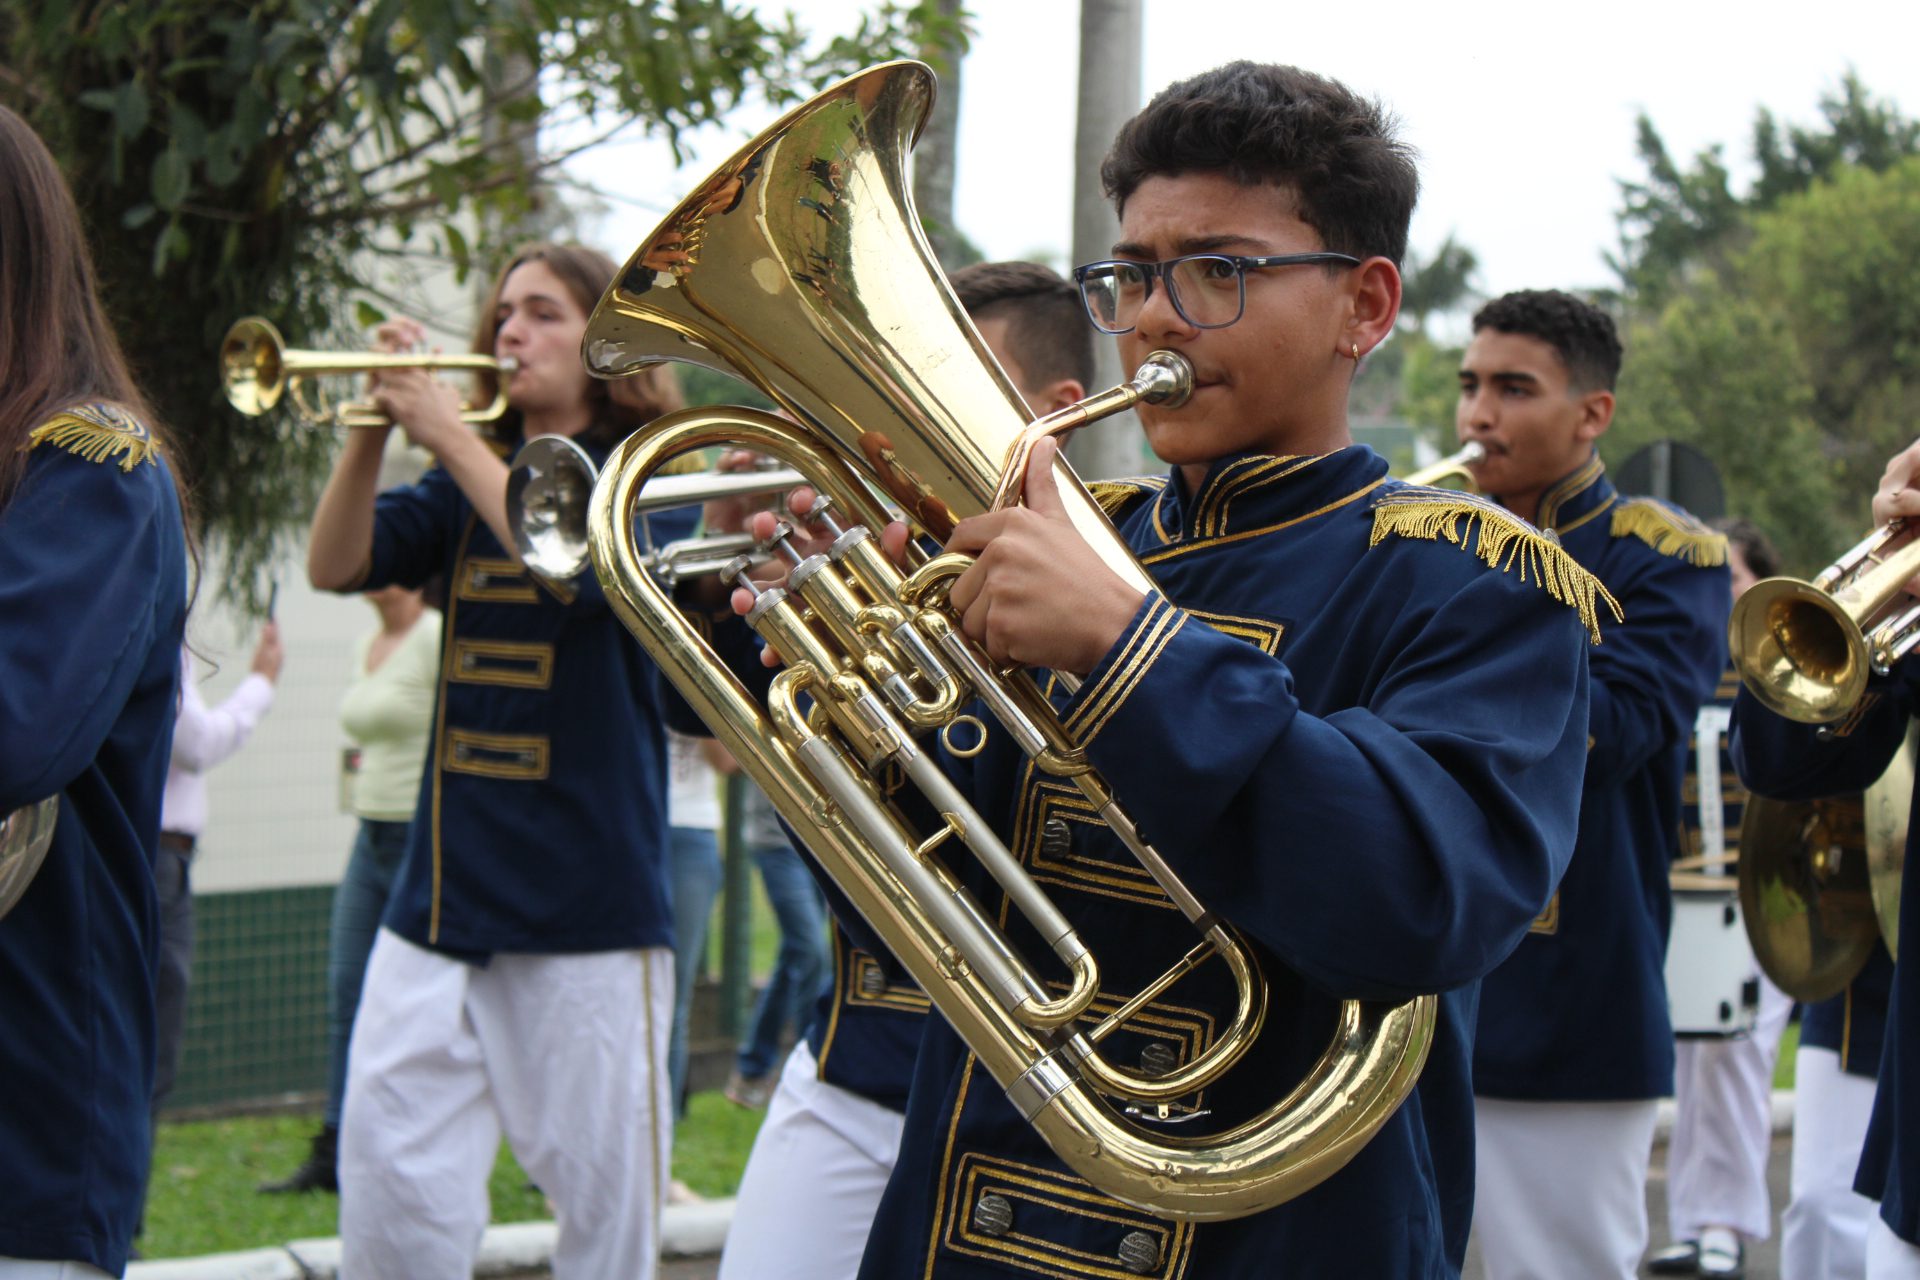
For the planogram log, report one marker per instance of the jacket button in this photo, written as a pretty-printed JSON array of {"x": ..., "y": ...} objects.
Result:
[
  {"x": 992, "y": 1215},
  {"x": 1158, "y": 1059},
  {"x": 1139, "y": 1252},
  {"x": 1056, "y": 841}
]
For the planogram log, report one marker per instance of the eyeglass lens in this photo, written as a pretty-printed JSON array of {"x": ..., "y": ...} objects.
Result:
[{"x": 1205, "y": 289}]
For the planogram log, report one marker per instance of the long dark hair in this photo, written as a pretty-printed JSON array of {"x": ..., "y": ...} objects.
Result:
[
  {"x": 57, "y": 348},
  {"x": 620, "y": 405}
]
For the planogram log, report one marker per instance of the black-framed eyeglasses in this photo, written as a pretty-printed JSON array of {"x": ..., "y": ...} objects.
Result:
[{"x": 1209, "y": 290}]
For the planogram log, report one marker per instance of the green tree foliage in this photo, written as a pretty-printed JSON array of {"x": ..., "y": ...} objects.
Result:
[
  {"x": 1777, "y": 329},
  {"x": 1678, "y": 221},
  {"x": 235, "y": 156},
  {"x": 1723, "y": 373}
]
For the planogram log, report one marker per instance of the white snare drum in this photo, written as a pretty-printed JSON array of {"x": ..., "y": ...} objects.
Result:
[{"x": 1713, "y": 988}]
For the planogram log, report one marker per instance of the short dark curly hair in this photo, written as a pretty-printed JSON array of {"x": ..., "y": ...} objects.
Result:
[
  {"x": 1047, "y": 324},
  {"x": 1354, "y": 181},
  {"x": 1581, "y": 334},
  {"x": 1753, "y": 544}
]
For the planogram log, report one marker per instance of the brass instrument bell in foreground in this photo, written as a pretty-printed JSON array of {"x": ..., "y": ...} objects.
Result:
[
  {"x": 1805, "y": 649},
  {"x": 800, "y": 265},
  {"x": 1820, "y": 880},
  {"x": 257, "y": 369}
]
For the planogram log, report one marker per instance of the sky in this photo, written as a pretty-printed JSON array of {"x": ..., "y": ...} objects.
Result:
[{"x": 1522, "y": 114}]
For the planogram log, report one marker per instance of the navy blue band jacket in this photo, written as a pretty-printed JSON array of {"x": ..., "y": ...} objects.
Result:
[
  {"x": 1579, "y": 1012},
  {"x": 867, "y": 1023},
  {"x": 1353, "y": 717},
  {"x": 93, "y": 592},
  {"x": 541, "y": 824},
  {"x": 1778, "y": 757}
]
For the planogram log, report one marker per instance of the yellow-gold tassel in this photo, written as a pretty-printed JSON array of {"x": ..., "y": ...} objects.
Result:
[
  {"x": 98, "y": 433},
  {"x": 1505, "y": 542},
  {"x": 1669, "y": 532}
]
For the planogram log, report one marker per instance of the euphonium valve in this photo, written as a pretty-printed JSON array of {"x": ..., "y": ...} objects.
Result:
[{"x": 800, "y": 266}]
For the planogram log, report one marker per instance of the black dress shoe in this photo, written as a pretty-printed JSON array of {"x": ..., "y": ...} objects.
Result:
[
  {"x": 318, "y": 1172},
  {"x": 1682, "y": 1258}
]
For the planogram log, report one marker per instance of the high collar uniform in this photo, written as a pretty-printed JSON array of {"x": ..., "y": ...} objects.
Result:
[
  {"x": 1579, "y": 1012},
  {"x": 92, "y": 604},
  {"x": 541, "y": 824},
  {"x": 1778, "y": 757},
  {"x": 1367, "y": 759}
]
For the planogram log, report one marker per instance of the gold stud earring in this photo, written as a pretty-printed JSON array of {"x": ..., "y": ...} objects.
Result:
[{"x": 1356, "y": 353}]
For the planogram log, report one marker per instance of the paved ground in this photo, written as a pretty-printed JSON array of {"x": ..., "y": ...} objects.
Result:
[{"x": 1763, "y": 1260}]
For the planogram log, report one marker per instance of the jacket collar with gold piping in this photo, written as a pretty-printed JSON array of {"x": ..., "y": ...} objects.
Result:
[
  {"x": 1244, "y": 494},
  {"x": 1586, "y": 496}
]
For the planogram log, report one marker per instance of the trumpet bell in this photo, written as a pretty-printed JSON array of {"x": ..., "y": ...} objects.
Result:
[
  {"x": 1797, "y": 651},
  {"x": 548, "y": 491},
  {"x": 252, "y": 371}
]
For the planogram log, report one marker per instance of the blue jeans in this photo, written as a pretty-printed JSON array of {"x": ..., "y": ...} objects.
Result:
[
  {"x": 800, "y": 970},
  {"x": 695, "y": 870},
  {"x": 358, "y": 904}
]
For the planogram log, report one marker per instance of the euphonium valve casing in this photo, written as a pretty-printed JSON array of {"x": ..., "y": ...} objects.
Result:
[{"x": 801, "y": 267}]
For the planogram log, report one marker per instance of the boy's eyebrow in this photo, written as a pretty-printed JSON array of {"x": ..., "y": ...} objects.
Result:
[
  {"x": 1193, "y": 244},
  {"x": 1508, "y": 377}
]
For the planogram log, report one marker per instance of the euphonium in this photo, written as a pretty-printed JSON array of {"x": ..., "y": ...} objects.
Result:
[
  {"x": 1805, "y": 649},
  {"x": 257, "y": 368},
  {"x": 800, "y": 265}
]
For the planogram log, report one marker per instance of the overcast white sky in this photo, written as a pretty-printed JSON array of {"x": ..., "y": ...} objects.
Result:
[{"x": 1522, "y": 112}]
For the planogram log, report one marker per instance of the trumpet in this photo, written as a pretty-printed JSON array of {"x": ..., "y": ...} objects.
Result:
[
  {"x": 1805, "y": 649},
  {"x": 257, "y": 368},
  {"x": 1454, "y": 469},
  {"x": 551, "y": 484}
]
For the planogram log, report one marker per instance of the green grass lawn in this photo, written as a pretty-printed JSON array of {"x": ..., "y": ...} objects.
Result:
[{"x": 203, "y": 1198}]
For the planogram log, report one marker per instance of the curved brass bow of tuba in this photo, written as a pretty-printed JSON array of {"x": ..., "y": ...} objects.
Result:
[{"x": 800, "y": 266}]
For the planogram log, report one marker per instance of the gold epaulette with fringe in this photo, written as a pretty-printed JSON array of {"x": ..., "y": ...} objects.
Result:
[
  {"x": 98, "y": 433},
  {"x": 1115, "y": 496},
  {"x": 1670, "y": 532},
  {"x": 1506, "y": 542}
]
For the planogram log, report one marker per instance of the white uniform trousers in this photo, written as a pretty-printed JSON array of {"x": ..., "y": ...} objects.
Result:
[
  {"x": 1823, "y": 1233},
  {"x": 1888, "y": 1256},
  {"x": 1560, "y": 1188},
  {"x": 1723, "y": 1126},
  {"x": 34, "y": 1269},
  {"x": 813, "y": 1182},
  {"x": 567, "y": 1052}
]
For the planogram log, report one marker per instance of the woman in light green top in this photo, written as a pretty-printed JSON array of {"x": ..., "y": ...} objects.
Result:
[{"x": 387, "y": 713}]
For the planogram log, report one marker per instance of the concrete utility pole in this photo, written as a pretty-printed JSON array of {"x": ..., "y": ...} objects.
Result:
[
  {"x": 1110, "y": 42},
  {"x": 933, "y": 155}
]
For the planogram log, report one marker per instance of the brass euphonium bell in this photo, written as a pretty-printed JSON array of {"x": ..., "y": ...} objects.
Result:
[
  {"x": 1820, "y": 880},
  {"x": 800, "y": 265}
]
